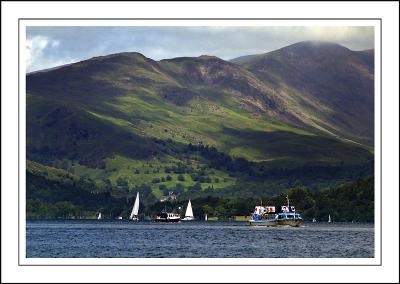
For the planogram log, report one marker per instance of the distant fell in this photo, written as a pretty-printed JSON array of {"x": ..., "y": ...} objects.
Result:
[{"x": 329, "y": 87}]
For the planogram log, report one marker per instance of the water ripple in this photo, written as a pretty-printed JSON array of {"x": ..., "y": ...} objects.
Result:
[{"x": 106, "y": 239}]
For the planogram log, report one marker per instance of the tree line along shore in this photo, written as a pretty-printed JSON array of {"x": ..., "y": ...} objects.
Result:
[{"x": 348, "y": 202}]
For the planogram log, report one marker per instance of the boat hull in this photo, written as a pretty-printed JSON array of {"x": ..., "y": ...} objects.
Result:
[
  {"x": 292, "y": 223},
  {"x": 166, "y": 217},
  {"x": 265, "y": 223},
  {"x": 134, "y": 218},
  {"x": 188, "y": 219},
  {"x": 167, "y": 220}
]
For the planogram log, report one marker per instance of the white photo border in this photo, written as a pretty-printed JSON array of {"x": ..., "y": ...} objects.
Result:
[
  {"x": 23, "y": 260},
  {"x": 386, "y": 272}
]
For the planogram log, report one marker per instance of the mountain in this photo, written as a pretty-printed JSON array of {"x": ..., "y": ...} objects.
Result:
[
  {"x": 201, "y": 124},
  {"x": 326, "y": 86}
]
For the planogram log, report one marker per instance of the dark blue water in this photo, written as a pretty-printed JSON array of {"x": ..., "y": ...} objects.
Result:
[{"x": 102, "y": 238}]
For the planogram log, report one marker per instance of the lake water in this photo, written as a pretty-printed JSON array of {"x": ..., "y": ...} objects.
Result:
[{"x": 123, "y": 239}]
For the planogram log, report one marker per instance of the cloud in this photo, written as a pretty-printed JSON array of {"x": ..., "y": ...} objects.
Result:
[
  {"x": 38, "y": 53},
  {"x": 48, "y": 46},
  {"x": 34, "y": 49}
]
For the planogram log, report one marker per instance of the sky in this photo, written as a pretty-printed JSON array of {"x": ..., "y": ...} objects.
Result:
[{"x": 48, "y": 47}]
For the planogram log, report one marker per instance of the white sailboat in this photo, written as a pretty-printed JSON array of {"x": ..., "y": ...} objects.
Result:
[
  {"x": 99, "y": 216},
  {"x": 189, "y": 213},
  {"x": 314, "y": 220},
  {"x": 135, "y": 210},
  {"x": 329, "y": 218},
  {"x": 205, "y": 218}
]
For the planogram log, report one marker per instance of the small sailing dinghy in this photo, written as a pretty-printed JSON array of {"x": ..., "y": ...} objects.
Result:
[
  {"x": 206, "y": 218},
  {"x": 329, "y": 218},
  {"x": 135, "y": 210},
  {"x": 99, "y": 216},
  {"x": 189, "y": 213}
]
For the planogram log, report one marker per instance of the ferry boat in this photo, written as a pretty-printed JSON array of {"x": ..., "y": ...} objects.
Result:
[
  {"x": 167, "y": 217},
  {"x": 288, "y": 216},
  {"x": 266, "y": 216}
]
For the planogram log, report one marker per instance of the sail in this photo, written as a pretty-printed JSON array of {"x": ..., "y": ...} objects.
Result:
[
  {"x": 135, "y": 209},
  {"x": 329, "y": 218},
  {"x": 189, "y": 211}
]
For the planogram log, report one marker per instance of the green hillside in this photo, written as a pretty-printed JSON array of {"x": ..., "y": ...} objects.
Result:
[
  {"x": 190, "y": 125},
  {"x": 55, "y": 193},
  {"x": 328, "y": 86}
]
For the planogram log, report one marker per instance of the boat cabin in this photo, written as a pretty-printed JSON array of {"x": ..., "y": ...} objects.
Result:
[
  {"x": 288, "y": 209},
  {"x": 288, "y": 216},
  {"x": 168, "y": 215},
  {"x": 260, "y": 210}
]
